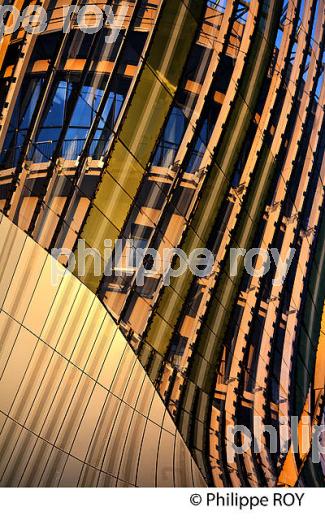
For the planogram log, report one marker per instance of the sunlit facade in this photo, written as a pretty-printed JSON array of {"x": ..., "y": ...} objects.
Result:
[{"x": 185, "y": 123}]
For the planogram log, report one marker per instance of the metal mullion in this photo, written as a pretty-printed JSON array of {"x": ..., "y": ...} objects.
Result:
[
  {"x": 281, "y": 175},
  {"x": 84, "y": 155},
  {"x": 296, "y": 92},
  {"x": 123, "y": 110},
  {"x": 193, "y": 204},
  {"x": 145, "y": 66},
  {"x": 26, "y": 49},
  {"x": 183, "y": 393},
  {"x": 71, "y": 104},
  {"x": 177, "y": 179},
  {"x": 230, "y": 397},
  {"x": 35, "y": 120}
]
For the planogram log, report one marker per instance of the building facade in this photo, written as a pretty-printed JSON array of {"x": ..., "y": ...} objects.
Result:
[{"x": 176, "y": 124}]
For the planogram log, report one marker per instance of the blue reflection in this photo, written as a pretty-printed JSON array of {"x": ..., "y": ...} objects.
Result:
[
  {"x": 82, "y": 118},
  {"x": 20, "y": 122},
  {"x": 171, "y": 139},
  {"x": 52, "y": 123}
]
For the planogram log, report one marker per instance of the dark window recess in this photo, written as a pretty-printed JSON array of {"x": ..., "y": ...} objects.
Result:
[
  {"x": 120, "y": 84},
  {"x": 178, "y": 346},
  {"x": 134, "y": 47},
  {"x": 182, "y": 199},
  {"x": 223, "y": 74},
  {"x": 220, "y": 226},
  {"x": 86, "y": 43},
  {"x": 88, "y": 186},
  {"x": 205, "y": 129},
  {"x": 52, "y": 123},
  {"x": 243, "y": 155},
  {"x": 149, "y": 287},
  {"x": 118, "y": 284},
  {"x": 244, "y": 416},
  {"x": 140, "y": 233},
  {"x": 12, "y": 56},
  {"x": 151, "y": 195},
  {"x": 197, "y": 64},
  {"x": 78, "y": 45},
  {"x": 107, "y": 51},
  {"x": 4, "y": 191},
  {"x": 4, "y": 87},
  {"x": 20, "y": 121},
  {"x": 46, "y": 46},
  {"x": 170, "y": 140},
  {"x": 275, "y": 371},
  {"x": 195, "y": 302},
  {"x": 314, "y": 179}
]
